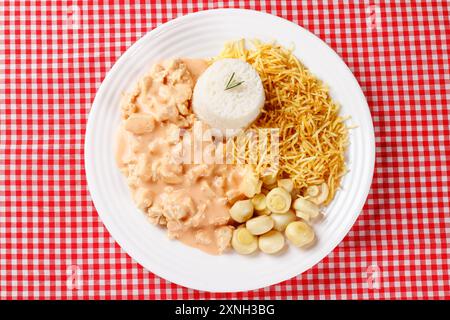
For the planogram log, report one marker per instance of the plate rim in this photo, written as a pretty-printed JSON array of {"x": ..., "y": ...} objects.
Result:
[{"x": 126, "y": 247}]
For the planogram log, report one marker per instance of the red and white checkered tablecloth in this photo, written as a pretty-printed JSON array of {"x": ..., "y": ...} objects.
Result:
[{"x": 53, "y": 57}]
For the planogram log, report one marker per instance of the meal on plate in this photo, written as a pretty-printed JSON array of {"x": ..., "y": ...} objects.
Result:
[{"x": 237, "y": 151}]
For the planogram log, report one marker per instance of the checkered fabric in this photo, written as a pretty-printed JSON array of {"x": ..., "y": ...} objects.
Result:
[{"x": 55, "y": 54}]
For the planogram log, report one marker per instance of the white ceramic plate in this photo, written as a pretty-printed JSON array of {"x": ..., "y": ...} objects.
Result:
[{"x": 200, "y": 35}]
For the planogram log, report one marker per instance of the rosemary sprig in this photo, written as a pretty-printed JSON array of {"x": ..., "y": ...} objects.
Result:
[
  {"x": 229, "y": 81},
  {"x": 232, "y": 84}
]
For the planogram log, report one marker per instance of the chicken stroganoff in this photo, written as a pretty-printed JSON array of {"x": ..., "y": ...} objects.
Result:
[{"x": 212, "y": 204}]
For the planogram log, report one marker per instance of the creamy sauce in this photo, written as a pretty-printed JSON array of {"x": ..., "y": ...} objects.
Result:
[{"x": 189, "y": 199}]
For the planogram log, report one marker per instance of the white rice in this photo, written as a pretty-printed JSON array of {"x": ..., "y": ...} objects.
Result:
[{"x": 233, "y": 109}]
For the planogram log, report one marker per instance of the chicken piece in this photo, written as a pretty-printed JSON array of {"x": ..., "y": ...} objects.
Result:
[
  {"x": 169, "y": 189},
  {"x": 138, "y": 171},
  {"x": 219, "y": 220},
  {"x": 173, "y": 133},
  {"x": 128, "y": 156},
  {"x": 144, "y": 99},
  {"x": 158, "y": 73},
  {"x": 178, "y": 72},
  {"x": 174, "y": 205},
  {"x": 166, "y": 112},
  {"x": 143, "y": 168},
  {"x": 173, "y": 64},
  {"x": 184, "y": 93},
  {"x": 222, "y": 201},
  {"x": 140, "y": 123},
  {"x": 155, "y": 214},
  {"x": 234, "y": 195},
  {"x": 128, "y": 103},
  {"x": 219, "y": 185},
  {"x": 177, "y": 205},
  {"x": 164, "y": 94},
  {"x": 176, "y": 76},
  {"x": 171, "y": 177},
  {"x": 133, "y": 179},
  {"x": 155, "y": 169},
  {"x": 170, "y": 171},
  {"x": 176, "y": 153},
  {"x": 198, "y": 171},
  {"x": 143, "y": 198},
  {"x": 202, "y": 237},
  {"x": 132, "y": 96},
  {"x": 207, "y": 190},
  {"x": 234, "y": 176},
  {"x": 223, "y": 237},
  {"x": 183, "y": 209},
  {"x": 174, "y": 229},
  {"x": 221, "y": 170},
  {"x": 155, "y": 145},
  {"x": 128, "y": 109},
  {"x": 195, "y": 220}
]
